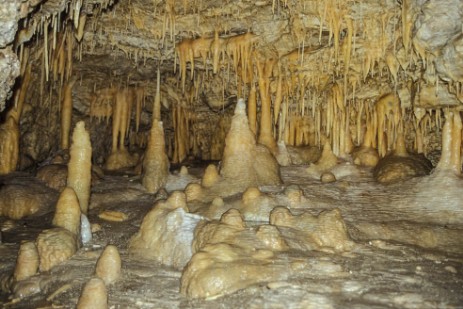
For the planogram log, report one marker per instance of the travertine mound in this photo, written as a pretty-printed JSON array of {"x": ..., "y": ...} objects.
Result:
[
  {"x": 108, "y": 267},
  {"x": 166, "y": 233},
  {"x": 155, "y": 162},
  {"x": 25, "y": 199},
  {"x": 226, "y": 230},
  {"x": 220, "y": 269},
  {"x": 55, "y": 246},
  {"x": 27, "y": 263},
  {"x": 393, "y": 168},
  {"x": 230, "y": 256},
  {"x": 325, "y": 231},
  {"x": 94, "y": 295}
]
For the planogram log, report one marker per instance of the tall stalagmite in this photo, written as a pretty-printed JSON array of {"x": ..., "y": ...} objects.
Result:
[
  {"x": 80, "y": 165},
  {"x": 155, "y": 163}
]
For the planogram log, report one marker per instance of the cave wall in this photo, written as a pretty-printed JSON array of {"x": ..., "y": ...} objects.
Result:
[{"x": 328, "y": 69}]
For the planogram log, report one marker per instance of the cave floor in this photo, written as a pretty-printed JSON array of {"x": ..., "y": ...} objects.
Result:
[{"x": 409, "y": 254}]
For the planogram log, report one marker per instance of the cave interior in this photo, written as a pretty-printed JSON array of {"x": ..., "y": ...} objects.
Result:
[{"x": 231, "y": 154}]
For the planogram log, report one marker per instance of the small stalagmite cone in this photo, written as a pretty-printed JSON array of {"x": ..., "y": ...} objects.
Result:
[
  {"x": 211, "y": 176},
  {"x": 94, "y": 295},
  {"x": 80, "y": 165},
  {"x": 27, "y": 263},
  {"x": 108, "y": 267},
  {"x": 67, "y": 213}
]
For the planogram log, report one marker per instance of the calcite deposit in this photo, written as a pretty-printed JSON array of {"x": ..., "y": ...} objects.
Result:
[
  {"x": 231, "y": 154},
  {"x": 94, "y": 295},
  {"x": 108, "y": 267},
  {"x": 166, "y": 233},
  {"x": 55, "y": 246}
]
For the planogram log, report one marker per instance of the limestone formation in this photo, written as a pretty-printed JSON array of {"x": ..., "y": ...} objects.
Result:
[
  {"x": 155, "y": 162},
  {"x": 166, "y": 233},
  {"x": 94, "y": 295},
  {"x": 108, "y": 266},
  {"x": 67, "y": 212},
  {"x": 302, "y": 111},
  {"x": 9, "y": 146},
  {"x": 393, "y": 168},
  {"x": 80, "y": 165},
  {"x": 27, "y": 263},
  {"x": 22, "y": 200},
  {"x": 327, "y": 230},
  {"x": 55, "y": 246}
]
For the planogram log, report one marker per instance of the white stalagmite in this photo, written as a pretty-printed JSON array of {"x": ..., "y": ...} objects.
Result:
[{"x": 80, "y": 165}]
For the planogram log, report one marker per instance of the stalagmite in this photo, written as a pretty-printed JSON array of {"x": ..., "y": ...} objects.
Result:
[
  {"x": 155, "y": 162},
  {"x": 244, "y": 163},
  {"x": 269, "y": 204},
  {"x": 27, "y": 263},
  {"x": 451, "y": 143},
  {"x": 211, "y": 176},
  {"x": 108, "y": 266},
  {"x": 94, "y": 295},
  {"x": 67, "y": 213},
  {"x": 9, "y": 146},
  {"x": 166, "y": 233},
  {"x": 80, "y": 165}
]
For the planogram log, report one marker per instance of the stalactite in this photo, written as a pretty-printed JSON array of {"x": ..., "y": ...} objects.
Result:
[
  {"x": 252, "y": 109},
  {"x": 265, "y": 132},
  {"x": 139, "y": 102},
  {"x": 9, "y": 145},
  {"x": 66, "y": 113},
  {"x": 157, "y": 98}
]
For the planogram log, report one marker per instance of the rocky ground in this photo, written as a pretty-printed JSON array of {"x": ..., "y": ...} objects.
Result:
[{"x": 400, "y": 260}]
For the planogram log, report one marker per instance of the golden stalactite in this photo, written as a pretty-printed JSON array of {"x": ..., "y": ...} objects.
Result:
[
  {"x": 139, "y": 104},
  {"x": 66, "y": 113},
  {"x": 388, "y": 117},
  {"x": 180, "y": 121},
  {"x": 217, "y": 50},
  {"x": 169, "y": 20},
  {"x": 252, "y": 109},
  {"x": 101, "y": 105},
  {"x": 265, "y": 70}
]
